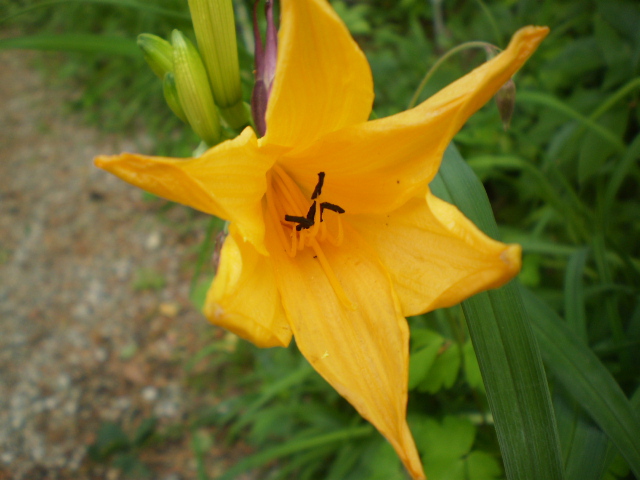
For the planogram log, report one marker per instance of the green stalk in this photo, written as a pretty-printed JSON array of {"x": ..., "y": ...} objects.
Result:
[
  {"x": 492, "y": 21},
  {"x": 441, "y": 60}
]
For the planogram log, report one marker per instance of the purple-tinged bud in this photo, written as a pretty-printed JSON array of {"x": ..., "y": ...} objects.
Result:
[
  {"x": 506, "y": 96},
  {"x": 266, "y": 56},
  {"x": 506, "y": 101}
]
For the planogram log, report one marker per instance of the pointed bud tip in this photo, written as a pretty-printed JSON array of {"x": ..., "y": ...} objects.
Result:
[{"x": 157, "y": 52}]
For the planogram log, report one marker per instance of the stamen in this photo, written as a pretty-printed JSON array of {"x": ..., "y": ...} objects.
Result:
[
  {"x": 273, "y": 213},
  {"x": 291, "y": 188},
  {"x": 317, "y": 214},
  {"x": 318, "y": 190},
  {"x": 302, "y": 222},
  {"x": 283, "y": 189},
  {"x": 304, "y": 237},
  {"x": 332, "y": 207},
  {"x": 311, "y": 214},
  {"x": 294, "y": 242},
  {"x": 324, "y": 230},
  {"x": 331, "y": 238},
  {"x": 287, "y": 204}
]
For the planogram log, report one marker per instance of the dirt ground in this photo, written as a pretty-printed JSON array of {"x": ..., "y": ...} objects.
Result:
[{"x": 84, "y": 339}]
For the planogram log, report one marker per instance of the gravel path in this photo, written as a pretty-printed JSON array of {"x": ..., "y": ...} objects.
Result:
[{"x": 82, "y": 341}]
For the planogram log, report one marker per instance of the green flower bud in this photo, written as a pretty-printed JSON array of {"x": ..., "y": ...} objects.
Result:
[
  {"x": 157, "y": 52},
  {"x": 171, "y": 96},
  {"x": 215, "y": 29},
  {"x": 193, "y": 89}
]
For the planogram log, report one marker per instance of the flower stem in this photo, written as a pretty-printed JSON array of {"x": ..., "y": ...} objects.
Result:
[{"x": 441, "y": 60}]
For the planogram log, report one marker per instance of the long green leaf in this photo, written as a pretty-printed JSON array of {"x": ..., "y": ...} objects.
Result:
[
  {"x": 588, "y": 381},
  {"x": 74, "y": 42},
  {"x": 509, "y": 360}
]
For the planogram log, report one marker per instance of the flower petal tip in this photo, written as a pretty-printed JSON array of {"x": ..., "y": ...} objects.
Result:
[
  {"x": 107, "y": 162},
  {"x": 101, "y": 161},
  {"x": 531, "y": 34},
  {"x": 512, "y": 257}
]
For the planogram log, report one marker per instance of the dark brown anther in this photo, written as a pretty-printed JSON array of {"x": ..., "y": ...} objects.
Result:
[
  {"x": 312, "y": 212},
  {"x": 330, "y": 206},
  {"x": 309, "y": 221},
  {"x": 318, "y": 190},
  {"x": 301, "y": 221}
]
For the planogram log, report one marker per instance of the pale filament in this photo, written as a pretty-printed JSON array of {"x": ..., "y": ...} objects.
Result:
[{"x": 285, "y": 198}]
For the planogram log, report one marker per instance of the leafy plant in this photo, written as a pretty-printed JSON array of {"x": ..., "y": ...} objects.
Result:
[{"x": 562, "y": 181}]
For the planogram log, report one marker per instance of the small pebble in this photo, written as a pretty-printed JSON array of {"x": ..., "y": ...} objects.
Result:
[
  {"x": 153, "y": 240},
  {"x": 150, "y": 394}
]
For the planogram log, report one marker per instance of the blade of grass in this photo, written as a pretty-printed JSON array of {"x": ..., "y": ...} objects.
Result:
[
  {"x": 581, "y": 439},
  {"x": 145, "y": 7},
  {"x": 295, "y": 445},
  {"x": 618, "y": 176},
  {"x": 587, "y": 380},
  {"x": 574, "y": 212},
  {"x": 74, "y": 42},
  {"x": 546, "y": 100},
  {"x": 509, "y": 359},
  {"x": 574, "y": 294},
  {"x": 297, "y": 376}
]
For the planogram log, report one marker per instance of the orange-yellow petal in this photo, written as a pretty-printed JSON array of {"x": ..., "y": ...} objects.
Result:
[
  {"x": 435, "y": 255},
  {"x": 243, "y": 297},
  {"x": 360, "y": 349},
  {"x": 227, "y": 181},
  {"x": 323, "y": 81},
  {"x": 375, "y": 167}
]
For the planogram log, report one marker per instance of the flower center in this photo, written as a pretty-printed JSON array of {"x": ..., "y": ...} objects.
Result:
[{"x": 301, "y": 222}]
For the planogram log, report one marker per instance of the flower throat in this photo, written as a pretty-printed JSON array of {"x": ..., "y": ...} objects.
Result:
[
  {"x": 299, "y": 225},
  {"x": 287, "y": 205}
]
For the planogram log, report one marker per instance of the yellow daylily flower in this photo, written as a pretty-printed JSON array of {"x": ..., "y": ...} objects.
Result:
[{"x": 334, "y": 235}]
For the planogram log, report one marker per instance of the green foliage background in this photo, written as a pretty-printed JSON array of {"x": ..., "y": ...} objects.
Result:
[{"x": 563, "y": 182}]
